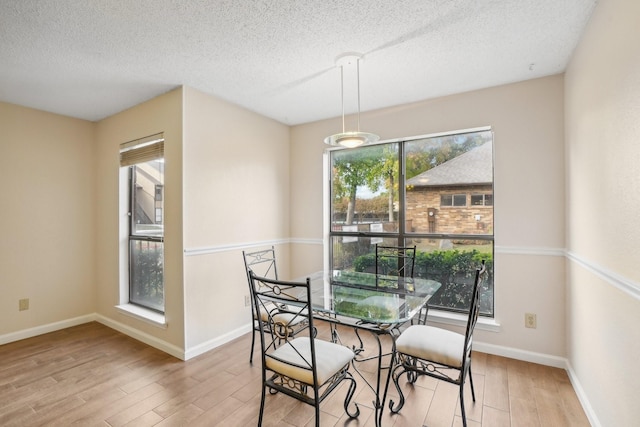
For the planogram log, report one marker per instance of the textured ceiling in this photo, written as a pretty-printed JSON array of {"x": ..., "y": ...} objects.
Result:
[{"x": 91, "y": 59}]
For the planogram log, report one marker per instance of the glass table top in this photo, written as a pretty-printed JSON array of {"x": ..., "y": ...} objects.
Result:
[{"x": 368, "y": 297}]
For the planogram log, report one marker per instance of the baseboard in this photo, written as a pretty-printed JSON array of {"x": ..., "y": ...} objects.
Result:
[
  {"x": 170, "y": 348},
  {"x": 142, "y": 336},
  {"x": 217, "y": 342},
  {"x": 45, "y": 329},
  {"x": 582, "y": 397},
  {"x": 525, "y": 355},
  {"x": 129, "y": 331}
]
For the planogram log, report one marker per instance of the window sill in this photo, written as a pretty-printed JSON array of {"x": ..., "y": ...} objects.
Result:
[
  {"x": 457, "y": 319},
  {"x": 140, "y": 313}
]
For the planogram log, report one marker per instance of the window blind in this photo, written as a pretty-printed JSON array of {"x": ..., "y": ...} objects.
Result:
[{"x": 142, "y": 150}]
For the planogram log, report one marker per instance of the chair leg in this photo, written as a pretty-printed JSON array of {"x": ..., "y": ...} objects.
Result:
[
  {"x": 359, "y": 349},
  {"x": 264, "y": 395},
  {"x": 464, "y": 416},
  {"x": 412, "y": 376},
  {"x": 253, "y": 342},
  {"x": 335, "y": 336},
  {"x": 473, "y": 393},
  {"x": 422, "y": 317}
]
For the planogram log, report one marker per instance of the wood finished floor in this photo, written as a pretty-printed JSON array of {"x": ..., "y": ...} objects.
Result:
[{"x": 91, "y": 375}]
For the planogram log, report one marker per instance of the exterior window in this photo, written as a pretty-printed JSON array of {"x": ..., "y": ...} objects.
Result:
[
  {"x": 401, "y": 193},
  {"x": 453, "y": 200},
  {"x": 482, "y": 200},
  {"x": 146, "y": 223}
]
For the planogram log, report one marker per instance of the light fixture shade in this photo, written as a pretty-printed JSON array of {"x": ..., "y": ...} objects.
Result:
[{"x": 351, "y": 139}]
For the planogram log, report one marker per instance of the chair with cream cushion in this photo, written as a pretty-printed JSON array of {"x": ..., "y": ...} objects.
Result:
[
  {"x": 301, "y": 366},
  {"x": 437, "y": 352},
  {"x": 263, "y": 263}
]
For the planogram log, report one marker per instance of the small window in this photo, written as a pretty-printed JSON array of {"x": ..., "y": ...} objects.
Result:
[
  {"x": 144, "y": 159},
  {"x": 453, "y": 200},
  {"x": 482, "y": 200},
  {"x": 159, "y": 191}
]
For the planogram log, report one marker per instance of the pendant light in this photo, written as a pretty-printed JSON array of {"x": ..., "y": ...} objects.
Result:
[{"x": 356, "y": 138}]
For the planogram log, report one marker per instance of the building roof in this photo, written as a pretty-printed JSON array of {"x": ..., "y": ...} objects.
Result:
[{"x": 473, "y": 167}]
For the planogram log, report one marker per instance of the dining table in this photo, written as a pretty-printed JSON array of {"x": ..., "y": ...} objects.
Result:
[{"x": 375, "y": 303}]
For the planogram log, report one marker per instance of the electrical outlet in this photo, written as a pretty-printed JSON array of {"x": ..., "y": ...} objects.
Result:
[
  {"x": 23, "y": 304},
  {"x": 247, "y": 301},
  {"x": 530, "y": 320}
]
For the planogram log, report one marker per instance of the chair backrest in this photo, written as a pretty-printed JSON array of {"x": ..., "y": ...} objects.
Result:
[
  {"x": 474, "y": 308},
  {"x": 262, "y": 262},
  {"x": 292, "y": 300},
  {"x": 395, "y": 260}
]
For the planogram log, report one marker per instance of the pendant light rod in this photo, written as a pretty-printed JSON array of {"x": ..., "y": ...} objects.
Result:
[
  {"x": 352, "y": 138},
  {"x": 342, "y": 93},
  {"x": 358, "y": 88}
]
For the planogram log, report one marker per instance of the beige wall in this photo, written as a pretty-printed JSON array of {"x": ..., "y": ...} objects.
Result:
[
  {"x": 161, "y": 114},
  {"x": 527, "y": 119},
  {"x": 47, "y": 212},
  {"x": 229, "y": 191},
  {"x": 603, "y": 178},
  {"x": 236, "y": 194}
]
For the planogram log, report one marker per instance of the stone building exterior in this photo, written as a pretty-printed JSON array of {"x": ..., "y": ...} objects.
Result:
[{"x": 455, "y": 197}]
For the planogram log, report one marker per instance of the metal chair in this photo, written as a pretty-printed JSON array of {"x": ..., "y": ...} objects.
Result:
[
  {"x": 262, "y": 263},
  {"x": 303, "y": 367},
  {"x": 395, "y": 260},
  {"x": 437, "y": 352},
  {"x": 398, "y": 261}
]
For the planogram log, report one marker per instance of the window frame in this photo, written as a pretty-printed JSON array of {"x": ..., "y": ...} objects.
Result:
[
  {"x": 402, "y": 234},
  {"x": 484, "y": 196},
  {"x": 138, "y": 224}
]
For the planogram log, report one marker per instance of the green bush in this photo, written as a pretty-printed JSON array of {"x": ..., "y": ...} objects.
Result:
[
  {"x": 147, "y": 274},
  {"x": 454, "y": 269}
]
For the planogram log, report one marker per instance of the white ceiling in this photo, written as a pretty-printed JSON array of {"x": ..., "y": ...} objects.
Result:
[{"x": 91, "y": 59}]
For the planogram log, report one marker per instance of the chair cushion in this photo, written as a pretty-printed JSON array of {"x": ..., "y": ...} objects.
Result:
[
  {"x": 288, "y": 319},
  {"x": 434, "y": 344},
  {"x": 284, "y": 318},
  {"x": 265, "y": 310},
  {"x": 330, "y": 358}
]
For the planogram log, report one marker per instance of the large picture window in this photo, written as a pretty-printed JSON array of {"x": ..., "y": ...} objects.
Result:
[
  {"x": 145, "y": 162},
  {"x": 434, "y": 192}
]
